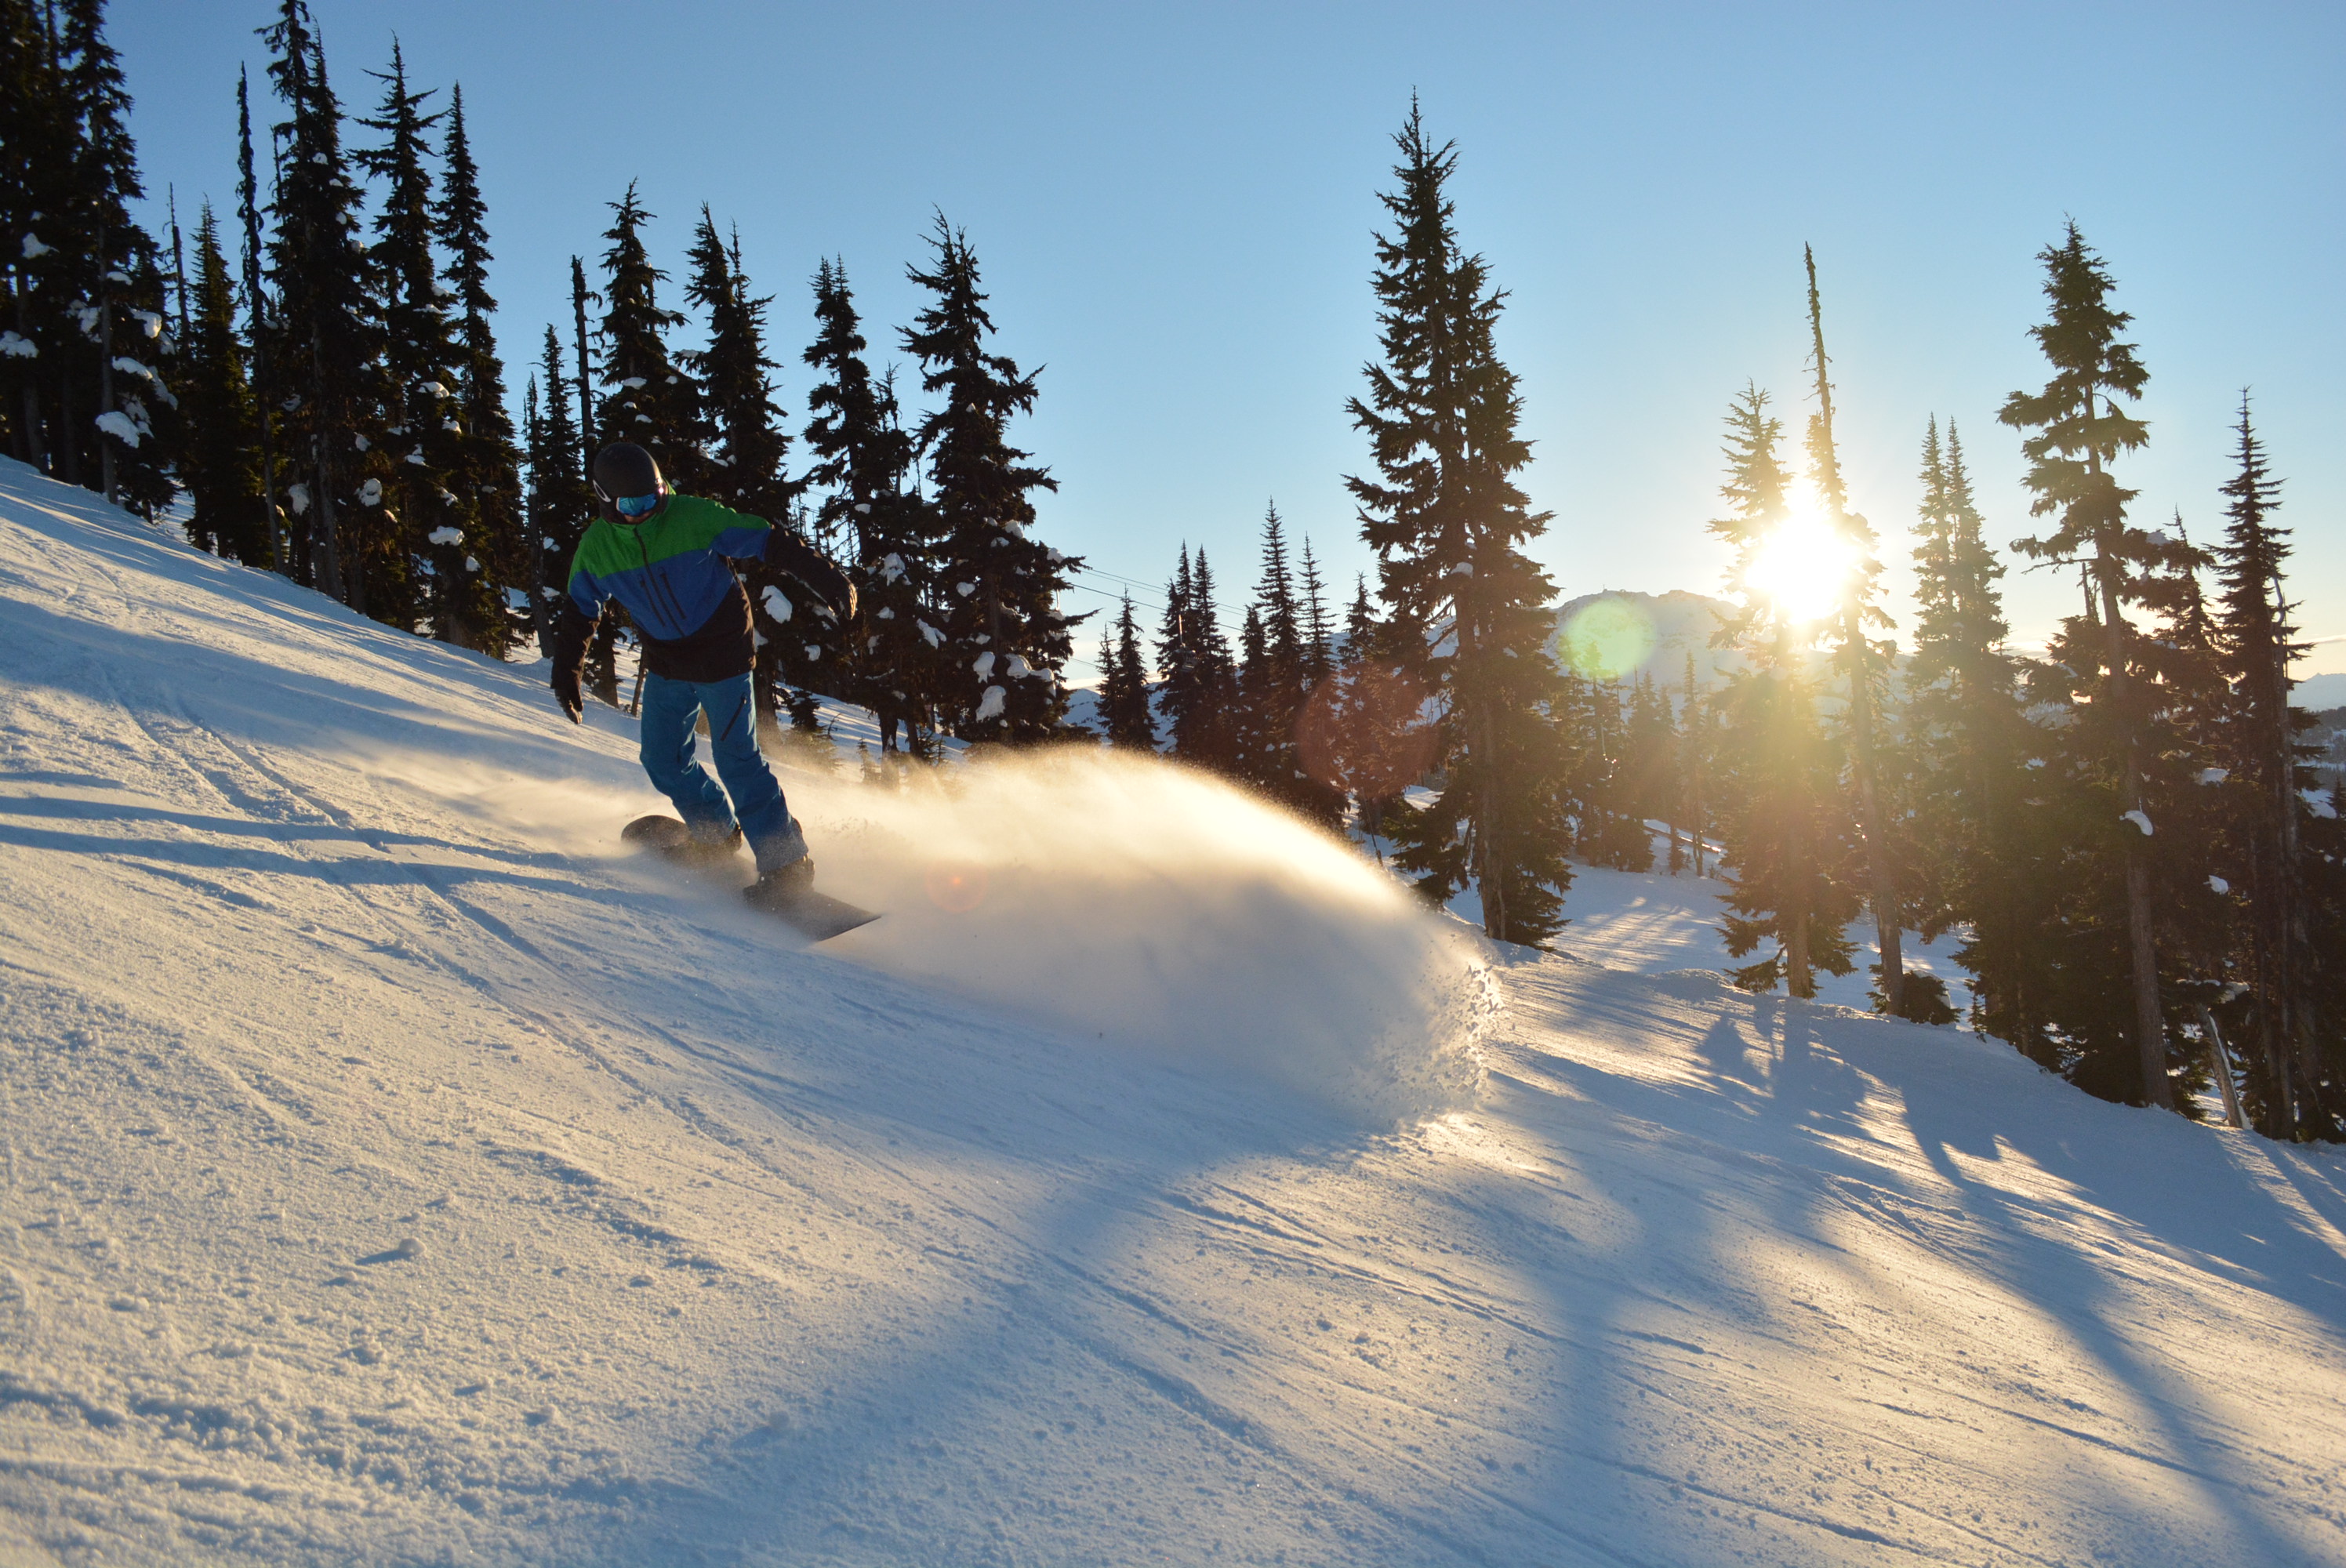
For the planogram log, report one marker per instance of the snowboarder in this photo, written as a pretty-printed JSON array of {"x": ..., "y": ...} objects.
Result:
[{"x": 664, "y": 558}]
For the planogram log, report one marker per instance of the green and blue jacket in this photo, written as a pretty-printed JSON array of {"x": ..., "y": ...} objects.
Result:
[{"x": 673, "y": 572}]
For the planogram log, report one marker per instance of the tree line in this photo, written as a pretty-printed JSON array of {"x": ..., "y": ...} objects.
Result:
[{"x": 2125, "y": 834}]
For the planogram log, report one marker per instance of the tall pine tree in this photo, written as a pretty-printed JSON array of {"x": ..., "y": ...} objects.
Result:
[
  {"x": 36, "y": 132},
  {"x": 1004, "y": 640},
  {"x": 861, "y": 472},
  {"x": 221, "y": 468},
  {"x": 1275, "y": 678},
  {"x": 647, "y": 398},
  {"x": 2079, "y": 430},
  {"x": 1448, "y": 525},
  {"x": 1981, "y": 859},
  {"x": 1200, "y": 692},
  {"x": 415, "y": 573},
  {"x": 1863, "y": 667},
  {"x": 483, "y": 467},
  {"x": 325, "y": 340},
  {"x": 559, "y": 502},
  {"x": 257, "y": 329},
  {"x": 2292, "y": 1075},
  {"x": 744, "y": 449},
  {"x": 1779, "y": 814},
  {"x": 1125, "y": 717}
]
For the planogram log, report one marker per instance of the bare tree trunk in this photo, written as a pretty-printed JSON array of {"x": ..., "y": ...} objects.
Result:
[
  {"x": 585, "y": 398},
  {"x": 2150, "y": 1027},
  {"x": 1798, "y": 980},
  {"x": 326, "y": 551},
  {"x": 1884, "y": 895},
  {"x": 1491, "y": 879},
  {"x": 1698, "y": 748},
  {"x": 2219, "y": 1061},
  {"x": 1868, "y": 804},
  {"x": 68, "y": 444}
]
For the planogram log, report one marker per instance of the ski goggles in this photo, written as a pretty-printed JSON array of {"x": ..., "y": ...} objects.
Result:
[{"x": 636, "y": 505}]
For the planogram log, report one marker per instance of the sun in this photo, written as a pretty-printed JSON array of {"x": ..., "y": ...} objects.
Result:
[{"x": 1803, "y": 564}]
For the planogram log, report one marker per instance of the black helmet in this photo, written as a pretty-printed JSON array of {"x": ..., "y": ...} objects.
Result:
[{"x": 625, "y": 473}]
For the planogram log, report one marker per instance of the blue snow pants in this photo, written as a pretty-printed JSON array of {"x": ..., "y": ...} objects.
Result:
[{"x": 669, "y": 744}]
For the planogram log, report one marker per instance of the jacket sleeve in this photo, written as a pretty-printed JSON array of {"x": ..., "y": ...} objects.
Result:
[
  {"x": 737, "y": 536},
  {"x": 785, "y": 552},
  {"x": 572, "y": 632},
  {"x": 573, "y": 622}
]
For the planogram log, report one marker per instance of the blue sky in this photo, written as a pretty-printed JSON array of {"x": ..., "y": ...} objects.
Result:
[{"x": 1173, "y": 207}]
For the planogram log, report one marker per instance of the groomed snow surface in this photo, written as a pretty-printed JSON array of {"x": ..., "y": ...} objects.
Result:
[{"x": 395, "y": 1173}]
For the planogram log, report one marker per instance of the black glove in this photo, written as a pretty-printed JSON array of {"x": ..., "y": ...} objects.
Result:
[
  {"x": 571, "y": 631},
  {"x": 567, "y": 693}
]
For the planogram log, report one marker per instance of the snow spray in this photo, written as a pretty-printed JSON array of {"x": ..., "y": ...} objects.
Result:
[{"x": 1147, "y": 904}]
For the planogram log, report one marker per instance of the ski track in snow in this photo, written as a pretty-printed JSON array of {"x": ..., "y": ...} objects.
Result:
[{"x": 389, "y": 1175}]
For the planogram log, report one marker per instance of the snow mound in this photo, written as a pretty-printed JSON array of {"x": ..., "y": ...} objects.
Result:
[{"x": 1142, "y": 902}]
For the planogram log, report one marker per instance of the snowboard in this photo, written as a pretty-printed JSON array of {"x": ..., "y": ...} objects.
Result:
[{"x": 816, "y": 916}]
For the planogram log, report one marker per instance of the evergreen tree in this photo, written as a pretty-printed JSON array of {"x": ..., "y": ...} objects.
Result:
[
  {"x": 1364, "y": 736},
  {"x": 483, "y": 467},
  {"x": 1253, "y": 753},
  {"x": 646, "y": 399},
  {"x": 590, "y": 434},
  {"x": 110, "y": 270},
  {"x": 417, "y": 571},
  {"x": 1863, "y": 668},
  {"x": 1447, "y": 523},
  {"x": 1983, "y": 860},
  {"x": 1275, "y": 678},
  {"x": 36, "y": 130},
  {"x": 258, "y": 332},
  {"x": 744, "y": 442},
  {"x": 1779, "y": 814},
  {"x": 559, "y": 502},
  {"x": 1124, "y": 686},
  {"x": 2292, "y": 1076},
  {"x": 1649, "y": 735},
  {"x": 998, "y": 586},
  {"x": 862, "y": 470},
  {"x": 221, "y": 468},
  {"x": 1318, "y": 641},
  {"x": 744, "y": 448},
  {"x": 324, "y": 335},
  {"x": 2080, "y": 430},
  {"x": 88, "y": 354},
  {"x": 1200, "y": 684},
  {"x": 1608, "y": 827}
]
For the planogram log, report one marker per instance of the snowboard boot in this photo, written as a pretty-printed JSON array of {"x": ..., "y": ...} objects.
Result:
[{"x": 783, "y": 885}]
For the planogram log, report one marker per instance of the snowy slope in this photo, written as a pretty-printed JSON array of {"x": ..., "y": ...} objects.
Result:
[
  {"x": 389, "y": 1175},
  {"x": 1652, "y": 922}
]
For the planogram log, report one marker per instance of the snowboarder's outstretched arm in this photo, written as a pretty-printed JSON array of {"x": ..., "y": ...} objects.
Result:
[{"x": 786, "y": 552}]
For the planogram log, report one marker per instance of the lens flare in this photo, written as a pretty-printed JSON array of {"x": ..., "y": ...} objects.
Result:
[
  {"x": 955, "y": 888},
  {"x": 1803, "y": 564},
  {"x": 1607, "y": 639}
]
